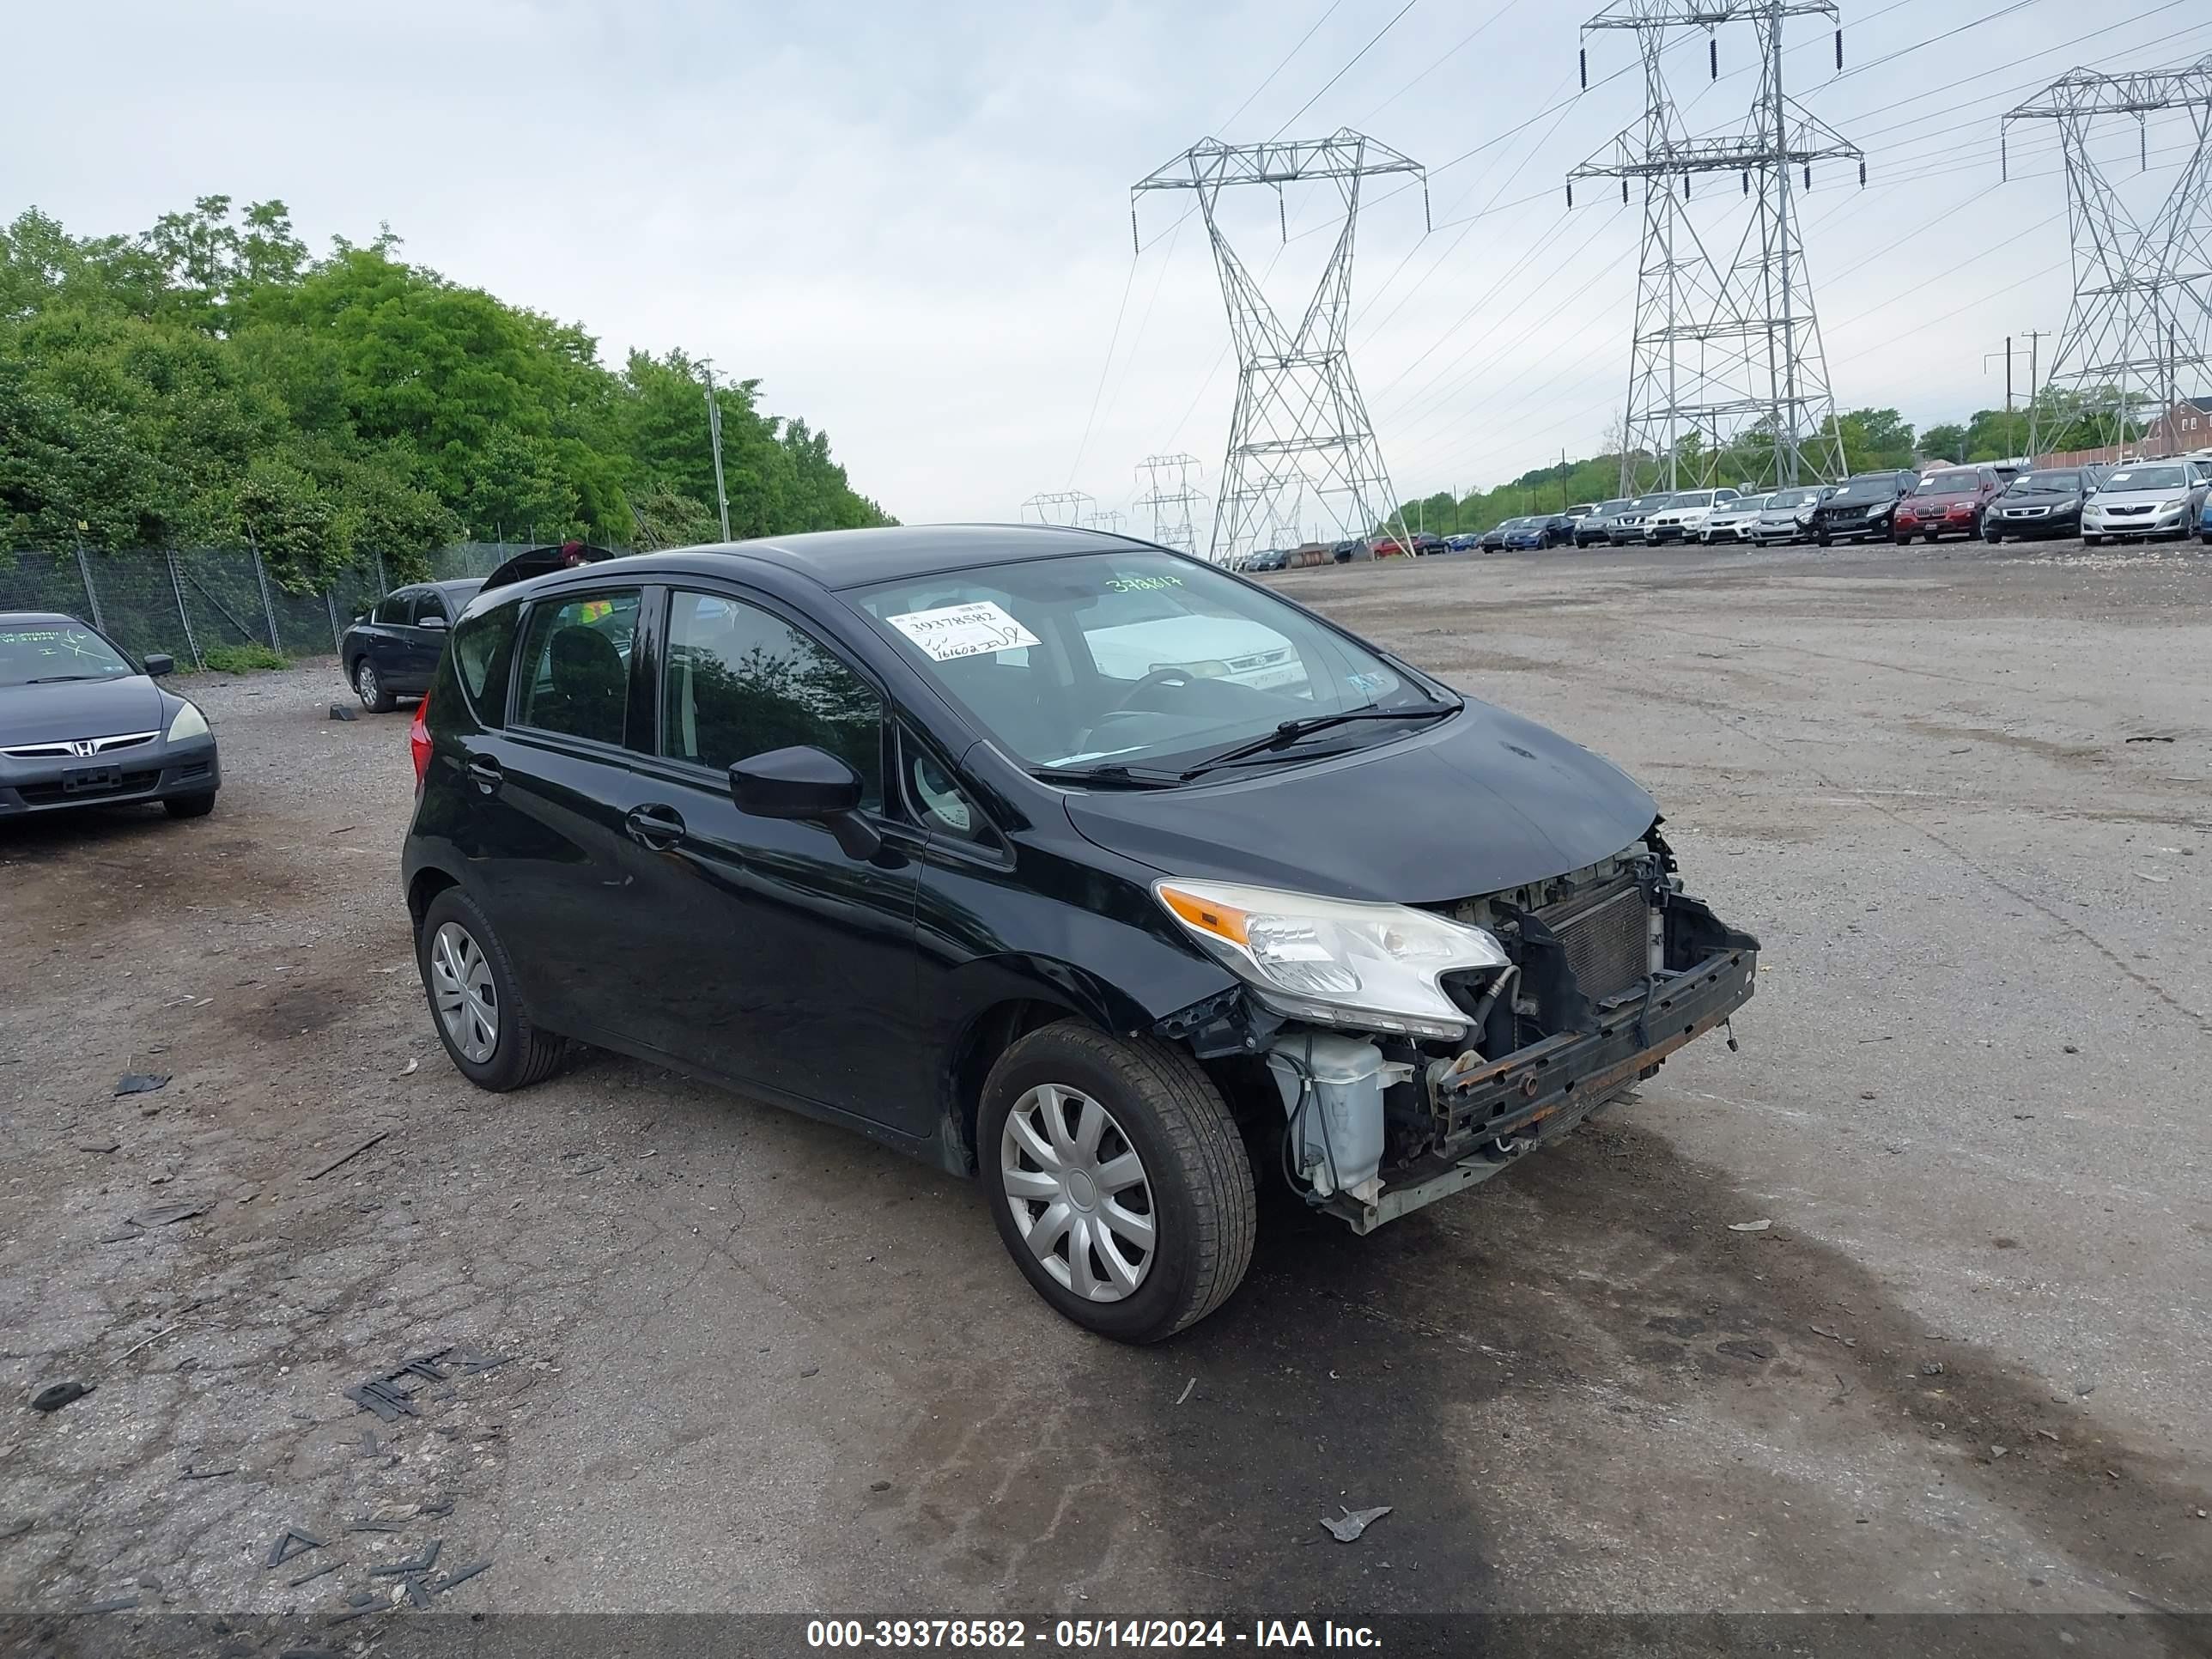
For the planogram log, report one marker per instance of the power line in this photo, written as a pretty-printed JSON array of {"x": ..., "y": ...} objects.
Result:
[
  {"x": 1347, "y": 69},
  {"x": 1275, "y": 71}
]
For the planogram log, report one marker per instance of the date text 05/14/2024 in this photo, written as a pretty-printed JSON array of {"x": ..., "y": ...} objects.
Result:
[{"x": 1084, "y": 1634}]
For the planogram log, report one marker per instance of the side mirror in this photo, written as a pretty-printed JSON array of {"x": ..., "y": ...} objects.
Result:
[
  {"x": 438, "y": 624},
  {"x": 161, "y": 662},
  {"x": 807, "y": 784}
]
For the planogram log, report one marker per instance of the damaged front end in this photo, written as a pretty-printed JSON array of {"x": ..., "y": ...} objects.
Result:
[{"x": 1564, "y": 993}]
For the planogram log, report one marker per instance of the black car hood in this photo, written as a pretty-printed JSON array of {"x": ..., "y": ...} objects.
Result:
[
  {"x": 1479, "y": 802},
  {"x": 78, "y": 708}
]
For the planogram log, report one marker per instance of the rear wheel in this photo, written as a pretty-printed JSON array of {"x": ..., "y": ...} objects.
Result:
[
  {"x": 469, "y": 981},
  {"x": 369, "y": 688},
  {"x": 1117, "y": 1179}
]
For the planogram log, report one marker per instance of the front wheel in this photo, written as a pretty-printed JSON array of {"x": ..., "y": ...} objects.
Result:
[
  {"x": 190, "y": 806},
  {"x": 469, "y": 981},
  {"x": 2093, "y": 541},
  {"x": 368, "y": 686},
  {"x": 1117, "y": 1179}
]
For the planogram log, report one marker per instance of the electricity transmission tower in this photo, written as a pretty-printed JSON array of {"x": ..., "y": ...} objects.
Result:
[
  {"x": 2142, "y": 294},
  {"x": 1109, "y": 521},
  {"x": 1172, "y": 508},
  {"x": 1300, "y": 429},
  {"x": 1068, "y": 506},
  {"x": 1726, "y": 365}
]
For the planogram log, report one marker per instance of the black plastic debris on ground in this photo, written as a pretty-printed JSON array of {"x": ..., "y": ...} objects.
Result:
[
  {"x": 291, "y": 1542},
  {"x": 167, "y": 1215},
  {"x": 344, "y": 711},
  {"x": 140, "y": 1083},
  {"x": 391, "y": 1395},
  {"x": 55, "y": 1396},
  {"x": 378, "y": 1395}
]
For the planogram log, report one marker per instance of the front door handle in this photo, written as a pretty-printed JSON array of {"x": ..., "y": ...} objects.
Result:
[
  {"x": 484, "y": 772},
  {"x": 655, "y": 827}
]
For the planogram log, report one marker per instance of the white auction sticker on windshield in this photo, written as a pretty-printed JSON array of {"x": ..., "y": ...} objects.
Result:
[{"x": 954, "y": 631}]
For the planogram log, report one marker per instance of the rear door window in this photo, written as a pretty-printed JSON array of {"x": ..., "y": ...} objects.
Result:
[
  {"x": 393, "y": 607},
  {"x": 575, "y": 675},
  {"x": 737, "y": 681}
]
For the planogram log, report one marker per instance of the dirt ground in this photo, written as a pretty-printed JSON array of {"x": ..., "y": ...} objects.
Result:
[{"x": 1963, "y": 795}]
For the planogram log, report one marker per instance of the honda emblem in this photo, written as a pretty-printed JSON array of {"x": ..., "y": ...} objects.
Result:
[{"x": 83, "y": 748}]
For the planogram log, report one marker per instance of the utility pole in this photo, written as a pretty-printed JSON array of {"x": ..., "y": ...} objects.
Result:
[
  {"x": 2011, "y": 440},
  {"x": 2142, "y": 294},
  {"x": 715, "y": 433},
  {"x": 1723, "y": 344},
  {"x": 1068, "y": 506},
  {"x": 2035, "y": 344},
  {"x": 1300, "y": 427}
]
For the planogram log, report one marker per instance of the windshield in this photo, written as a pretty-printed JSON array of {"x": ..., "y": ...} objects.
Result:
[
  {"x": 1793, "y": 498},
  {"x": 1692, "y": 498},
  {"x": 1882, "y": 486},
  {"x": 2063, "y": 482},
  {"x": 32, "y": 654},
  {"x": 1130, "y": 659},
  {"x": 2130, "y": 478},
  {"x": 1645, "y": 503},
  {"x": 1948, "y": 484},
  {"x": 1610, "y": 507}
]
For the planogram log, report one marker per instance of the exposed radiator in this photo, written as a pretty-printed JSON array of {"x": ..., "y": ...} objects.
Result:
[{"x": 1606, "y": 936}]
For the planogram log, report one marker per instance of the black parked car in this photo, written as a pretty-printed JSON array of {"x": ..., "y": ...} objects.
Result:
[
  {"x": 391, "y": 649},
  {"x": 1596, "y": 526},
  {"x": 2041, "y": 504},
  {"x": 82, "y": 725},
  {"x": 895, "y": 827},
  {"x": 1862, "y": 508}
]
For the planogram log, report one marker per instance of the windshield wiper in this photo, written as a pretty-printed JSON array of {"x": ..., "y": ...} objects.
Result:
[
  {"x": 57, "y": 680},
  {"x": 1113, "y": 775},
  {"x": 1290, "y": 730}
]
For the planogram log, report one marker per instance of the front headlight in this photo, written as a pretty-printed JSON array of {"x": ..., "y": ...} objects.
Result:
[
  {"x": 1335, "y": 961},
  {"x": 187, "y": 722},
  {"x": 2181, "y": 506}
]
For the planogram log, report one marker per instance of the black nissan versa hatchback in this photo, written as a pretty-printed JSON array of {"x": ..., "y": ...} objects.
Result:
[{"x": 1052, "y": 857}]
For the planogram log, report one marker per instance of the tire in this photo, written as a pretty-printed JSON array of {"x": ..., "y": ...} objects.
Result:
[
  {"x": 1195, "y": 1174},
  {"x": 1992, "y": 536},
  {"x": 190, "y": 806},
  {"x": 1930, "y": 537},
  {"x": 1822, "y": 540},
  {"x": 520, "y": 1053},
  {"x": 2093, "y": 541},
  {"x": 1902, "y": 541},
  {"x": 369, "y": 688}
]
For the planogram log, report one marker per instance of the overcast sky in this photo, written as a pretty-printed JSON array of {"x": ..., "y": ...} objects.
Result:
[{"x": 911, "y": 223}]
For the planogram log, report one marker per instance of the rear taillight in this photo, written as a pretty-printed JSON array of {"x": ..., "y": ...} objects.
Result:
[{"x": 419, "y": 741}]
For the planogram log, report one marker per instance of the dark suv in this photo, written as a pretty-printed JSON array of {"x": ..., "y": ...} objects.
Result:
[
  {"x": 1863, "y": 508},
  {"x": 1054, "y": 858}
]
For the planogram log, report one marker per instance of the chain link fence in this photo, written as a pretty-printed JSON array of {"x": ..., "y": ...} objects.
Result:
[{"x": 190, "y": 604}]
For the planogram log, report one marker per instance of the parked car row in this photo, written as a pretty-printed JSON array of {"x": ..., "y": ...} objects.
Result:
[{"x": 1987, "y": 500}]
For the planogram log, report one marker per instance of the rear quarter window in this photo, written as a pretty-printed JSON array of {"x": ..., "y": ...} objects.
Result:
[{"x": 483, "y": 646}]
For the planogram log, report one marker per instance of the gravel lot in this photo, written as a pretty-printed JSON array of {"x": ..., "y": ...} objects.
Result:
[{"x": 1963, "y": 794}]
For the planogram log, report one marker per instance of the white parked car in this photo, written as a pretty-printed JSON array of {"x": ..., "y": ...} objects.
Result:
[
  {"x": 1207, "y": 647},
  {"x": 1683, "y": 518},
  {"x": 1732, "y": 521}
]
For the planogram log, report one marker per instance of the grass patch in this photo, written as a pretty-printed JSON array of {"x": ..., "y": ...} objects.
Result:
[{"x": 241, "y": 658}]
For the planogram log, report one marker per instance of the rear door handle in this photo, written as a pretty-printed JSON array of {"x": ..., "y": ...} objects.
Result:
[
  {"x": 654, "y": 826},
  {"x": 484, "y": 773}
]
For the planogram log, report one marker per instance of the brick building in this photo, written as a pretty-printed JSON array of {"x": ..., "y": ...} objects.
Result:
[{"x": 2183, "y": 429}]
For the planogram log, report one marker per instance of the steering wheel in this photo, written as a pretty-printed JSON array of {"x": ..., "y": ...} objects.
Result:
[{"x": 1157, "y": 676}]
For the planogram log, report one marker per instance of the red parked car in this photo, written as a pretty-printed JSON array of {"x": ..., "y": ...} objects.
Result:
[{"x": 1952, "y": 501}]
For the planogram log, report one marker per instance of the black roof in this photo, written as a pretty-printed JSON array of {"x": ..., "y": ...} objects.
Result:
[
  {"x": 42, "y": 618},
  {"x": 859, "y": 558}
]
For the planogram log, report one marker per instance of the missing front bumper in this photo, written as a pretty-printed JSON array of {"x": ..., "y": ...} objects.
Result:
[{"x": 1490, "y": 1113}]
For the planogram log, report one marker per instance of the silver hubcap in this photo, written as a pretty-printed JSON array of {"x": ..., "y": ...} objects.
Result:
[
  {"x": 1077, "y": 1192},
  {"x": 365, "y": 683},
  {"x": 461, "y": 986}
]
